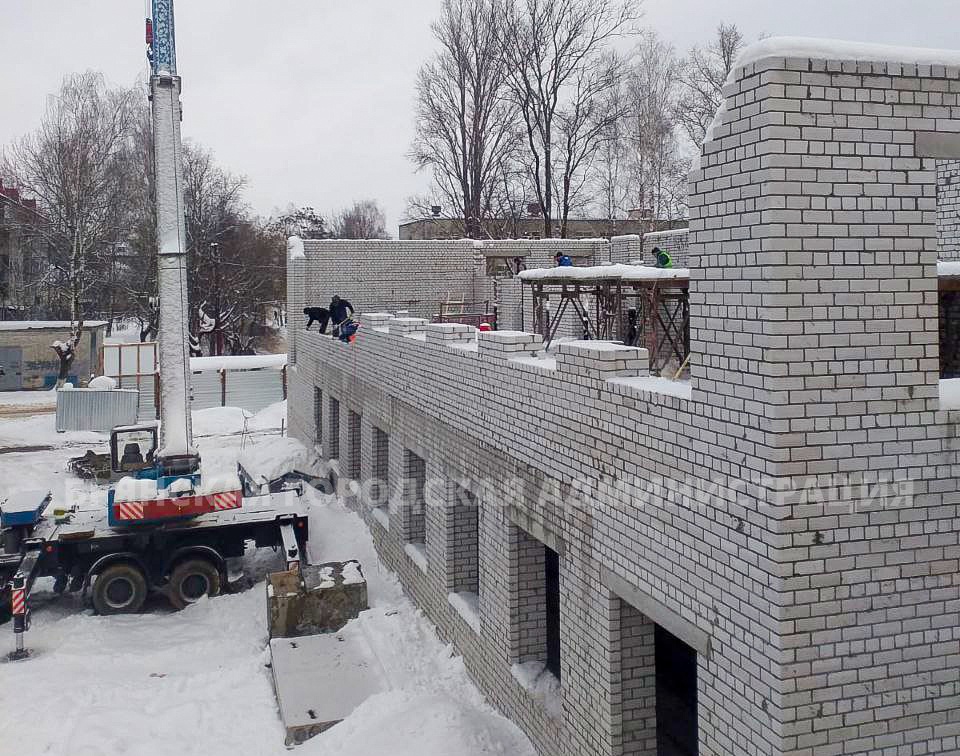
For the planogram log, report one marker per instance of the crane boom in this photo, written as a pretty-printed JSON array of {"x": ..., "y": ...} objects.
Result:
[{"x": 176, "y": 454}]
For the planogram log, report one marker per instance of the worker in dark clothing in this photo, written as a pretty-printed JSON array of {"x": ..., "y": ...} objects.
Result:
[
  {"x": 319, "y": 315},
  {"x": 338, "y": 312},
  {"x": 562, "y": 260}
]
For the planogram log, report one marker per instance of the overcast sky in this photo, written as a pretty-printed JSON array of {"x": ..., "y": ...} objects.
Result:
[{"x": 312, "y": 100}]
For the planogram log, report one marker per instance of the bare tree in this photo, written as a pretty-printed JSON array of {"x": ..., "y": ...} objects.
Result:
[
  {"x": 583, "y": 124},
  {"x": 304, "y": 222},
  {"x": 704, "y": 72},
  {"x": 73, "y": 164},
  {"x": 465, "y": 124},
  {"x": 657, "y": 167},
  {"x": 553, "y": 48},
  {"x": 611, "y": 186},
  {"x": 363, "y": 220},
  {"x": 219, "y": 282}
]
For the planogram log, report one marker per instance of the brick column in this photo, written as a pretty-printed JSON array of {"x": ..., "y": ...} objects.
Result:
[{"x": 814, "y": 330}]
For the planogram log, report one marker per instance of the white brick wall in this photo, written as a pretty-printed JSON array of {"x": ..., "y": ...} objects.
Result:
[{"x": 826, "y": 619}]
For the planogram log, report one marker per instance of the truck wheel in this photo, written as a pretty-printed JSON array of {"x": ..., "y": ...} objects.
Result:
[
  {"x": 119, "y": 589},
  {"x": 190, "y": 581}
]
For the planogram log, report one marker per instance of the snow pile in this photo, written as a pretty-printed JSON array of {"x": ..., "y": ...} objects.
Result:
[
  {"x": 217, "y": 482},
  {"x": 468, "y": 607},
  {"x": 542, "y": 684},
  {"x": 352, "y": 574},
  {"x": 180, "y": 486},
  {"x": 270, "y": 418},
  {"x": 326, "y": 578},
  {"x": 604, "y": 272},
  {"x": 272, "y": 458},
  {"x": 948, "y": 268},
  {"x": 220, "y": 421},
  {"x": 102, "y": 383},
  {"x": 295, "y": 249},
  {"x": 134, "y": 489},
  {"x": 403, "y": 723}
]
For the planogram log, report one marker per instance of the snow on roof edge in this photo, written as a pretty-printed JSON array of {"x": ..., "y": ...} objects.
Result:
[
  {"x": 670, "y": 232},
  {"x": 838, "y": 49},
  {"x": 605, "y": 272},
  {"x": 45, "y": 325},
  {"x": 825, "y": 49}
]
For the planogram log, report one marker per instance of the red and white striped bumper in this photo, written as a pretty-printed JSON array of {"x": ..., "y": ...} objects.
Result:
[{"x": 166, "y": 509}]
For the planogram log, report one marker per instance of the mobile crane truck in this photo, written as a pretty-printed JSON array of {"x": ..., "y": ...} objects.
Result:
[{"x": 168, "y": 525}]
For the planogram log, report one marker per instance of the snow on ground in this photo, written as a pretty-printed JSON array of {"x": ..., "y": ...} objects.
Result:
[
  {"x": 196, "y": 682},
  {"x": 28, "y": 398},
  {"x": 124, "y": 332}
]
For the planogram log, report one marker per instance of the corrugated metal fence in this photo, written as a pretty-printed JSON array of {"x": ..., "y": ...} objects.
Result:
[
  {"x": 253, "y": 390},
  {"x": 252, "y": 383},
  {"x": 93, "y": 410}
]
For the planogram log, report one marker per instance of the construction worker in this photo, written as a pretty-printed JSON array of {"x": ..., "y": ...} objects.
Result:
[{"x": 338, "y": 312}]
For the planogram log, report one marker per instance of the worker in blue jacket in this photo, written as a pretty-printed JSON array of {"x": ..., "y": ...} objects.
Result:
[{"x": 338, "y": 312}]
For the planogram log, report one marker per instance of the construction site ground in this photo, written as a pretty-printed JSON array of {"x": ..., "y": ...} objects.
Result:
[{"x": 197, "y": 681}]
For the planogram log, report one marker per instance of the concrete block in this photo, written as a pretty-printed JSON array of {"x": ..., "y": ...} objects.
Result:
[{"x": 317, "y": 599}]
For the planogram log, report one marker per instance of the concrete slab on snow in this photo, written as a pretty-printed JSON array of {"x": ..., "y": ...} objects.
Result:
[{"x": 321, "y": 679}]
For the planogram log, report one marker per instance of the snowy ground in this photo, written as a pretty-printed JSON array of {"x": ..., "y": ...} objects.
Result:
[{"x": 196, "y": 682}]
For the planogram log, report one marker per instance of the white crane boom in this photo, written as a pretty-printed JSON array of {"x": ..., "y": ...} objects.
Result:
[{"x": 176, "y": 453}]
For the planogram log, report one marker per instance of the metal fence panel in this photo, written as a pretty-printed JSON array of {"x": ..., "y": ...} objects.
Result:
[
  {"x": 254, "y": 390},
  {"x": 92, "y": 410},
  {"x": 205, "y": 390}
]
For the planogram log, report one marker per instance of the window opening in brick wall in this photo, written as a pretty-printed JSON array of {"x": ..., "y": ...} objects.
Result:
[
  {"x": 354, "y": 448},
  {"x": 334, "y": 441},
  {"x": 318, "y": 415},
  {"x": 463, "y": 543},
  {"x": 380, "y": 457},
  {"x": 948, "y": 250},
  {"x": 676, "y": 696},
  {"x": 535, "y": 603},
  {"x": 551, "y": 577},
  {"x": 415, "y": 483}
]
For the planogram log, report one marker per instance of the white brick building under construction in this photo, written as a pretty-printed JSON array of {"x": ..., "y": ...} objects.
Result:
[{"x": 762, "y": 560}]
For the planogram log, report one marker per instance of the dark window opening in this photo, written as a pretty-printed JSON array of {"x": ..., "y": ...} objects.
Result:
[
  {"x": 949, "y": 330},
  {"x": 318, "y": 415},
  {"x": 334, "y": 443},
  {"x": 380, "y": 485},
  {"x": 535, "y": 602},
  {"x": 415, "y": 483},
  {"x": 676, "y": 666},
  {"x": 552, "y": 583},
  {"x": 353, "y": 437}
]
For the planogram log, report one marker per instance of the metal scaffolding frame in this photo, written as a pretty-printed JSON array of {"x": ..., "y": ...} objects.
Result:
[{"x": 652, "y": 313}]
